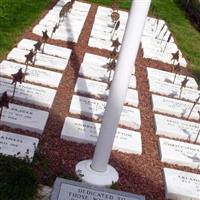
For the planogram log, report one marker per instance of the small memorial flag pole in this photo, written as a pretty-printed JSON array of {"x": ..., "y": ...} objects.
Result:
[
  {"x": 177, "y": 69},
  {"x": 29, "y": 58},
  {"x": 195, "y": 103},
  {"x": 97, "y": 171},
  {"x": 183, "y": 85},
  {"x": 4, "y": 102},
  {"x": 18, "y": 77},
  {"x": 45, "y": 37},
  {"x": 199, "y": 130}
]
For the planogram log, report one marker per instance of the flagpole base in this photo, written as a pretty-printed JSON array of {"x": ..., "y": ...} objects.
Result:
[{"x": 90, "y": 176}]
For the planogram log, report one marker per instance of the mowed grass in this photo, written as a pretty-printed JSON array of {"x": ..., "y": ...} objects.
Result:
[
  {"x": 186, "y": 36},
  {"x": 15, "y": 17}
]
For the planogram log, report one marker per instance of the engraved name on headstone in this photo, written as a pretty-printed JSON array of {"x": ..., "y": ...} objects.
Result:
[
  {"x": 92, "y": 108},
  {"x": 176, "y": 128},
  {"x": 83, "y": 131},
  {"x": 35, "y": 75},
  {"x": 64, "y": 189},
  {"x": 175, "y": 107},
  {"x": 29, "y": 93},
  {"x": 24, "y": 118},
  {"x": 181, "y": 185},
  {"x": 20, "y": 146},
  {"x": 180, "y": 153}
]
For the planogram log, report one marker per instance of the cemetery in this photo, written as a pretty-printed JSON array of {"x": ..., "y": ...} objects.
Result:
[{"x": 98, "y": 102}]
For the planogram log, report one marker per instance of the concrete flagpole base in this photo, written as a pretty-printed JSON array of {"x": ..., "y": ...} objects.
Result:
[{"x": 90, "y": 176}]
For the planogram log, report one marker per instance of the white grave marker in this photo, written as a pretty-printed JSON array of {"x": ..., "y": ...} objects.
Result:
[
  {"x": 29, "y": 93},
  {"x": 49, "y": 49},
  {"x": 35, "y": 75},
  {"x": 24, "y": 118},
  {"x": 172, "y": 90},
  {"x": 175, "y": 107},
  {"x": 99, "y": 89},
  {"x": 20, "y": 146},
  {"x": 176, "y": 128},
  {"x": 169, "y": 77},
  {"x": 179, "y": 153},
  {"x": 93, "y": 108},
  {"x": 83, "y": 131},
  {"x": 43, "y": 60},
  {"x": 181, "y": 185},
  {"x": 100, "y": 74}
]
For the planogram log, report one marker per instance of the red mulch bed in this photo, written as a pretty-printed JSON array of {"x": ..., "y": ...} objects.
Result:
[{"x": 140, "y": 174}]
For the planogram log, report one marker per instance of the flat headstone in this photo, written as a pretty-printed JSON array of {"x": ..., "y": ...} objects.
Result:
[
  {"x": 101, "y": 74},
  {"x": 83, "y": 131},
  {"x": 162, "y": 56},
  {"x": 21, "y": 117},
  {"x": 64, "y": 189},
  {"x": 175, "y": 107},
  {"x": 43, "y": 60},
  {"x": 180, "y": 153},
  {"x": 92, "y": 108},
  {"x": 35, "y": 75},
  {"x": 172, "y": 90},
  {"x": 67, "y": 34},
  {"x": 159, "y": 45},
  {"x": 99, "y": 89},
  {"x": 176, "y": 128},
  {"x": 180, "y": 185},
  {"x": 97, "y": 61},
  {"x": 49, "y": 49},
  {"x": 29, "y": 93},
  {"x": 169, "y": 77},
  {"x": 20, "y": 146},
  {"x": 70, "y": 28}
]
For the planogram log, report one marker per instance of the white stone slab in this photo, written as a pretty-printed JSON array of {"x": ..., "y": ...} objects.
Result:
[
  {"x": 83, "y": 131},
  {"x": 20, "y": 146},
  {"x": 175, "y": 107},
  {"x": 172, "y": 90},
  {"x": 180, "y": 185},
  {"x": 64, "y": 35},
  {"x": 29, "y": 93},
  {"x": 35, "y": 75},
  {"x": 101, "y": 44},
  {"x": 180, "y": 153},
  {"x": 96, "y": 60},
  {"x": 100, "y": 74},
  {"x": 21, "y": 117},
  {"x": 169, "y": 77},
  {"x": 107, "y": 36},
  {"x": 43, "y": 60},
  {"x": 70, "y": 25},
  {"x": 53, "y": 15},
  {"x": 49, "y": 49},
  {"x": 99, "y": 89},
  {"x": 93, "y": 108},
  {"x": 162, "y": 56},
  {"x": 176, "y": 128},
  {"x": 151, "y": 43}
]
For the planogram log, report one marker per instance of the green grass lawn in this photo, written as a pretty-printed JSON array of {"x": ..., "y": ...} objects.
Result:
[{"x": 17, "y": 15}]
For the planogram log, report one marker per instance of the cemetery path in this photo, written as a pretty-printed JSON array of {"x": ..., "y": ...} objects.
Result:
[{"x": 140, "y": 174}]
